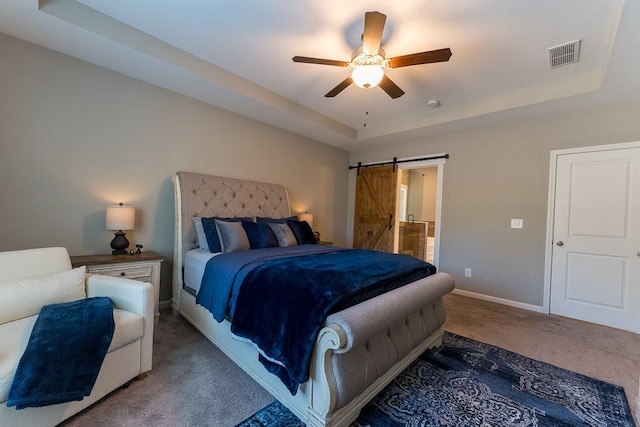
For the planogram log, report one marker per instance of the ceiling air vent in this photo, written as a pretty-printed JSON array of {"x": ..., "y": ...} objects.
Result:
[{"x": 568, "y": 53}]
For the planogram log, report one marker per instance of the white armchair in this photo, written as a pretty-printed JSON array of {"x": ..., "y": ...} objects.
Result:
[{"x": 30, "y": 279}]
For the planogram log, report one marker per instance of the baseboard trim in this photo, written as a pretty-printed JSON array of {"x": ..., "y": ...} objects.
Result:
[
  {"x": 164, "y": 304},
  {"x": 511, "y": 303}
]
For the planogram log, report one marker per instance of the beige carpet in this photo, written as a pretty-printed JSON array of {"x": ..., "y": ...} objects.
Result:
[{"x": 193, "y": 384}]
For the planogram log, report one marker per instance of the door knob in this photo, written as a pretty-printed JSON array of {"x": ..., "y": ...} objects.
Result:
[{"x": 560, "y": 243}]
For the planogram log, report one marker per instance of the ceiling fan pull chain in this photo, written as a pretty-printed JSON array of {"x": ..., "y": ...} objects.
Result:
[{"x": 366, "y": 108}]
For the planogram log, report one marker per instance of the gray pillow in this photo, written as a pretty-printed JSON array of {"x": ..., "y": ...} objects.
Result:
[
  {"x": 284, "y": 234},
  {"x": 202, "y": 237},
  {"x": 232, "y": 236}
]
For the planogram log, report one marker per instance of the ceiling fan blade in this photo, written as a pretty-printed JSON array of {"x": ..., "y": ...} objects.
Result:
[
  {"x": 342, "y": 86},
  {"x": 320, "y": 61},
  {"x": 372, "y": 35},
  {"x": 428, "y": 57},
  {"x": 390, "y": 87}
]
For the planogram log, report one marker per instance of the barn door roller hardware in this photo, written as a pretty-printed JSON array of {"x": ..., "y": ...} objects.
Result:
[{"x": 395, "y": 162}]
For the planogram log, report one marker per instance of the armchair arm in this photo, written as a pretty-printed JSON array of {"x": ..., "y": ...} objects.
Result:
[{"x": 129, "y": 295}]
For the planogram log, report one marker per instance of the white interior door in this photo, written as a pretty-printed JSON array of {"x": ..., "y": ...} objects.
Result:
[{"x": 595, "y": 271}]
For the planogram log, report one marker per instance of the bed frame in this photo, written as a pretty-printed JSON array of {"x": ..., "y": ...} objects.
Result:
[{"x": 358, "y": 351}]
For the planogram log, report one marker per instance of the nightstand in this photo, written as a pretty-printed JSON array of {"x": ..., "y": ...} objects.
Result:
[
  {"x": 144, "y": 267},
  {"x": 324, "y": 242}
]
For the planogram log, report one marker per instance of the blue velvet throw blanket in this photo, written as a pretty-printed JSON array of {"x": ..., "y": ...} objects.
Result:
[
  {"x": 283, "y": 303},
  {"x": 67, "y": 346}
]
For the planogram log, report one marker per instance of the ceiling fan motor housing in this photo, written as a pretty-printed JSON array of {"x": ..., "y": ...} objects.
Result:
[{"x": 359, "y": 58}]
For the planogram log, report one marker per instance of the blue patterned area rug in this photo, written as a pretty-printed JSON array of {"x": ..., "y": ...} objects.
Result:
[{"x": 468, "y": 383}]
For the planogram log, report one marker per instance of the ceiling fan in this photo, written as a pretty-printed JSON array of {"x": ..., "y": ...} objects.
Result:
[{"x": 369, "y": 62}]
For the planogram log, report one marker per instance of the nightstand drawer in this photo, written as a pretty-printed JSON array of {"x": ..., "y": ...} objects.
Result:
[{"x": 137, "y": 272}]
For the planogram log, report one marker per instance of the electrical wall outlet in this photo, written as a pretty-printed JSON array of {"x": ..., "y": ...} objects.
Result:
[
  {"x": 517, "y": 223},
  {"x": 467, "y": 272}
]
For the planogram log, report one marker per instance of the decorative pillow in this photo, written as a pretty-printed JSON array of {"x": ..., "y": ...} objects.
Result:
[
  {"x": 284, "y": 234},
  {"x": 265, "y": 220},
  {"x": 232, "y": 236},
  {"x": 303, "y": 232},
  {"x": 211, "y": 232},
  {"x": 25, "y": 297},
  {"x": 260, "y": 235},
  {"x": 202, "y": 238}
]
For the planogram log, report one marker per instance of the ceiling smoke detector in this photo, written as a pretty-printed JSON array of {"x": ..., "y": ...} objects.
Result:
[
  {"x": 433, "y": 103},
  {"x": 564, "y": 54}
]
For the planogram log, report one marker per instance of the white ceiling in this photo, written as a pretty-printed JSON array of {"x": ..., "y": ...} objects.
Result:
[{"x": 237, "y": 55}]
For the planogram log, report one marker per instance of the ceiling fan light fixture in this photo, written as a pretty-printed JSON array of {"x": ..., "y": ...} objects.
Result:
[
  {"x": 367, "y": 76},
  {"x": 369, "y": 61}
]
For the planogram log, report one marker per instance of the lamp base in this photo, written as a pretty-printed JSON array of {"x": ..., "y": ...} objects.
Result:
[{"x": 119, "y": 244}]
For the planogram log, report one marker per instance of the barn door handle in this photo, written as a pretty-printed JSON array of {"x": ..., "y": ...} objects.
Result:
[
  {"x": 560, "y": 243},
  {"x": 390, "y": 220}
]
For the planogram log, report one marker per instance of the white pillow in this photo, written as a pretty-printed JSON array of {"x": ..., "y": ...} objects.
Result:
[
  {"x": 26, "y": 297},
  {"x": 202, "y": 238}
]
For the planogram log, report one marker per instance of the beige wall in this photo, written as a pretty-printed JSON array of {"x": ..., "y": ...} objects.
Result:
[
  {"x": 75, "y": 137},
  {"x": 495, "y": 174}
]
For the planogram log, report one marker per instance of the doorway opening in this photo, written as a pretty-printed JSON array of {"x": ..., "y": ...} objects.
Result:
[
  {"x": 417, "y": 212},
  {"x": 424, "y": 189}
]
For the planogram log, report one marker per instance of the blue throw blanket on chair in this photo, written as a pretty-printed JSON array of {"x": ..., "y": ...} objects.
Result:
[{"x": 67, "y": 346}]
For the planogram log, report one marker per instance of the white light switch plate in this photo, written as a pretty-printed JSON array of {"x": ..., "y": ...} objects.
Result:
[{"x": 517, "y": 223}]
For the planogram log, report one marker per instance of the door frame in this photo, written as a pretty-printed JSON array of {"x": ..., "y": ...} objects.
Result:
[
  {"x": 439, "y": 163},
  {"x": 546, "y": 301}
]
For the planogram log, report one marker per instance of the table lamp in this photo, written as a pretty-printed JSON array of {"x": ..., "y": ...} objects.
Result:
[
  {"x": 119, "y": 218},
  {"x": 306, "y": 216}
]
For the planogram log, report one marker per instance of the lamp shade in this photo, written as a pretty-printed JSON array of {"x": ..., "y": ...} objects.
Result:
[
  {"x": 367, "y": 76},
  {"x": 307, "y": 217},
  {"x": 120, "y": 217}
]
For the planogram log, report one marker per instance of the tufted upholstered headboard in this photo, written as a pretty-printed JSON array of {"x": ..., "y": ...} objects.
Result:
[{"x": 206, "y": 196}]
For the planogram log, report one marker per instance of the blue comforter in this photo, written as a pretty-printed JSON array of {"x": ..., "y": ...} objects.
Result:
[
  {"x": 280, "y": 304},
  {"x": 224, "y": 274}
]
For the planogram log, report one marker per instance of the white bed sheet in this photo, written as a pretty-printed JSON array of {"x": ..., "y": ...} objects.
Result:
[{"x": 195, "y": 262}]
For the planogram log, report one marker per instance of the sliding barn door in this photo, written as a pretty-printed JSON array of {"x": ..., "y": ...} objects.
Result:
[{"x": 376, "y": 191}]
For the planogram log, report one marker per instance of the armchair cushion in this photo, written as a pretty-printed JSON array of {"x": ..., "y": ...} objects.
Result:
[
  {"x": 25, "y": 297},
  {"x": 15, "y": 336},
  {"x": 62, "y": 361}
]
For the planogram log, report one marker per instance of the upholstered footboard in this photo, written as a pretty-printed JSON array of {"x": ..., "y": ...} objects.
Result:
[{"x": 361, "y": 349}]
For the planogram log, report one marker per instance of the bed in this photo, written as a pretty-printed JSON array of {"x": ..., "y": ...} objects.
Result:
[{"x": 358, "y": 349}]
